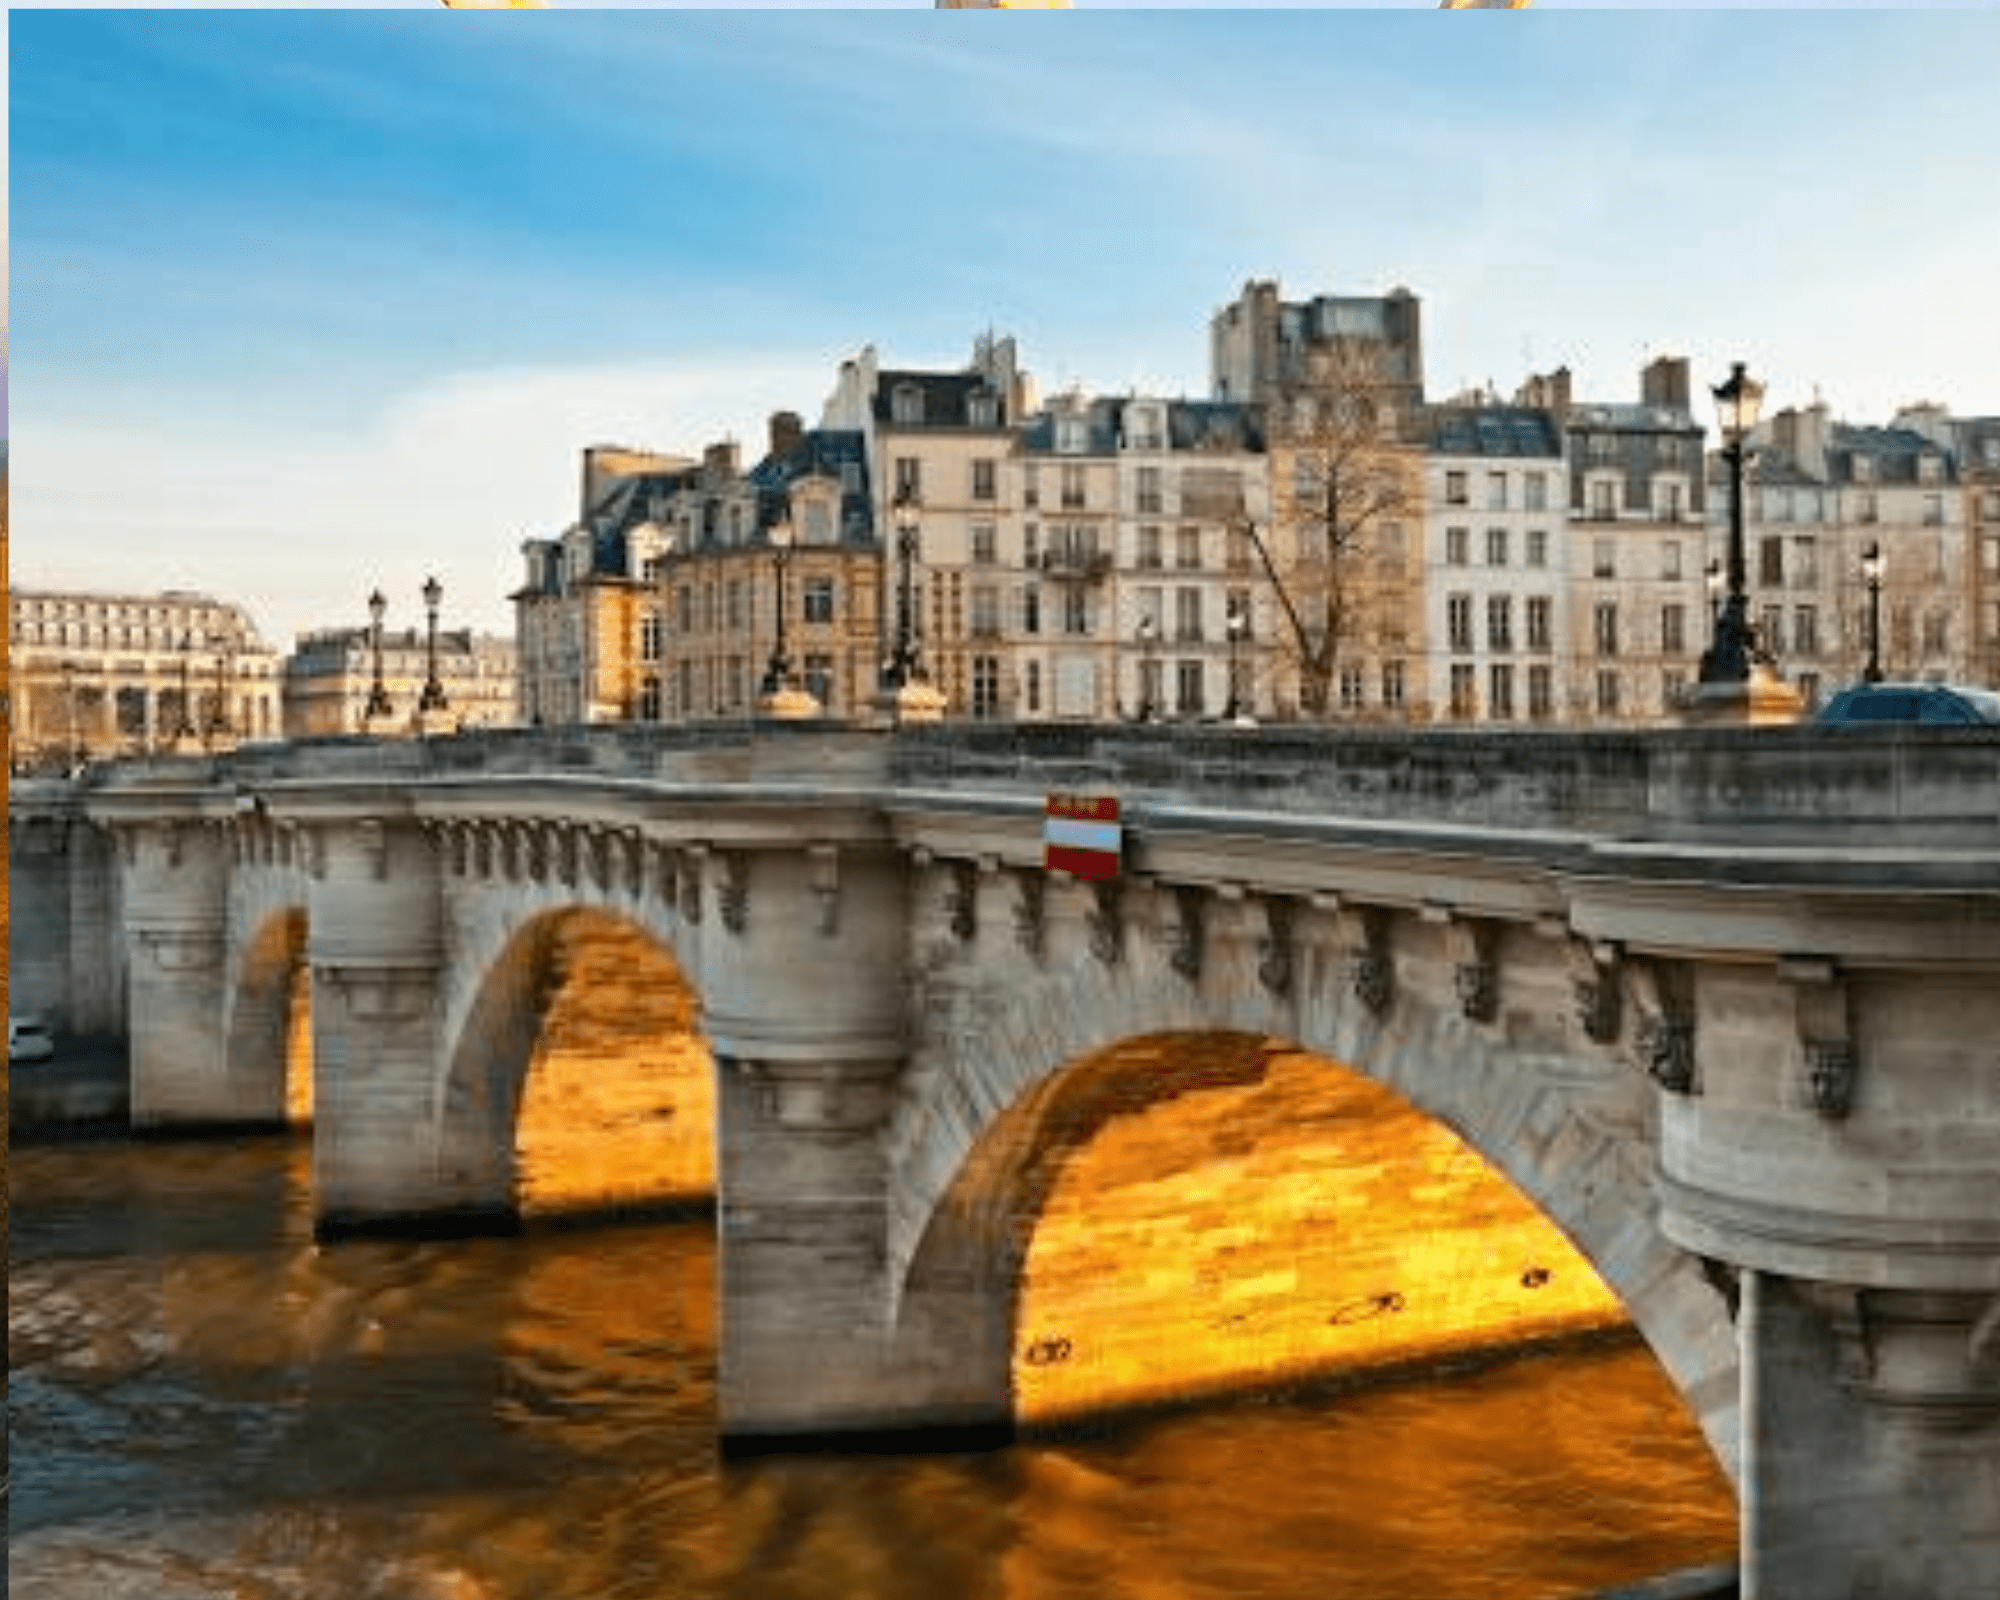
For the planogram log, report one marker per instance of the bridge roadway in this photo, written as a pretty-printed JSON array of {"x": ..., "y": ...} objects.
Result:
[{"x": 1724, "y": 1004}]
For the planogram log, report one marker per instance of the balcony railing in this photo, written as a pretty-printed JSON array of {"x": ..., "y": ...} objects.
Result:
[{"x": 1090, "y": 566}]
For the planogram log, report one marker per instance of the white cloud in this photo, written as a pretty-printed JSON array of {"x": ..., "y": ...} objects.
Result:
[{"x": 448, "y": 477}]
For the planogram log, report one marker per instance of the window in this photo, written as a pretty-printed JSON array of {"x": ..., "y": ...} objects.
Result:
[
  {"x": 1805, "y": 562},
  {"x": 1030, "y": 539},
  {"x": 1033, "y": 685},
  {"x": 1500, "y": 692},
  {"x": 1667, "y": 501},
  {"x": 909, "y": 478},
  {"x": 649, "y": 642},
  {"x": 1187, "y": 549},
  {"x": 1535, "y": 491},
  {"x": 733, "y": 605},
  {"x": 1499, "y": 622},
  {"x": 1496, "y": 547},
  {"x": 1673, "y": 629},
  {"x": 1072, "y": 487},
  {"x": 1538, "y": 547},
  {"x": 649, "y": 700},
  {"x": 1771, "y": 562},
  {"x": 1774, "y": 629},
  {"x": 1149, "y": 491},
  {"x": 1496, "y": 491},
  {"x": 1463, "y": 691},
  {"x": 985, "y": 611},
  {"x": 1392, "y": 684},
  {"x": 1603, "y": 559},
  {"x": 1539, "y": 609},
  {"x": 1933, "y": 510},
  {"x": 1455, "y": 492},
  {"x": 819, "y": 679},
  {"x": 906, "y": 405},
  {"x": 1458, "y": 622},
  {"x": 1602, "y": 505},
  {"x": 985, "y": 687},
  {"x": 984, "y": 544},
  {"x": 1864, "y": 504},
  {"x": 1076, "y": 613},
  {"x": 1353, "y": 694},
  {"x": 1541, "y": 692},
  {"x": 983, "y": 410},
  {"x": 1237, "y": 554},
  {"x": 1031, "y": 486},
  {"x": 1670, "y": 561},
  {"x": 1188, "y": 688},
  {"x": 1607, "y": 628},
  {"x": 983, "y": 478},
  {"x": 1187, "y": 614},
  {"x": 1457, "y": 542},
  {"x": 1607, "y": 694},
  {"x": 1673, "y": 687},
  {"x": 1031, "y": 609},
  {"x": 817, "y": 599},
  {"x": 1805, "y": 631}
]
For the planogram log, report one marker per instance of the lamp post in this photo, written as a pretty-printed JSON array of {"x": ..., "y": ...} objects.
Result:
[
  {"x": 69, "y": 695},
  {"x": 1234, "y": 623},
  {"x": 1734, "y": 648},
  {"x": 1149, "y": 635},
  {"x": 1714, "y": 593},
  {"x": 1871, "y": 569},
  {"x": 903, "y": 663},
  {"x": 184, "y": 728},
  {"x": 378, "y": 696},
  {"x": 218, "y": 725},
  {"x": 432, "y": 699},
  {"x": 778, "y": 673}
]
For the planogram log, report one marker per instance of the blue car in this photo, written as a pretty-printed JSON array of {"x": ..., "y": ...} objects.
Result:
[{"x": 1931, "y": 704}]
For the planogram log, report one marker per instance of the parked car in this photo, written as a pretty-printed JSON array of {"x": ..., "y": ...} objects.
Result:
[
  {"x": 1932, "y": 704},
  {"x": 28, "y": 1039}
]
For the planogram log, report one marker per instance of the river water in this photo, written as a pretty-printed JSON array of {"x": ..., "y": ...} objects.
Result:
[{"x": 204, "y": 1403}]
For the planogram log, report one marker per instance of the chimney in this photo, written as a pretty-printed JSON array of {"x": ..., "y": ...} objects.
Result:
[
  {"x": 719, "y": 462},
  {"x": 1664, "y": 382},
  {"x": 786, "y": 432}
]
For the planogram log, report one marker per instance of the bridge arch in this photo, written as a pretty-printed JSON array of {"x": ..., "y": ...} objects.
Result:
[
  {"x": 266, "y": 994},
  {"x": 1568, "y": 1128},
  {"x": 494, "y": 1124}
]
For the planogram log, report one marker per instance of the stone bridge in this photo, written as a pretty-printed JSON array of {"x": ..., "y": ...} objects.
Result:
[{"x": 1725, "y": 1005}]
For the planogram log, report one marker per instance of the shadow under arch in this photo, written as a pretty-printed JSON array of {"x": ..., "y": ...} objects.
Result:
[
  {"x": 1571, "y": 1135},
  {"x": 269, "y": 1044},
  {"x": 578, "y": 1083}
]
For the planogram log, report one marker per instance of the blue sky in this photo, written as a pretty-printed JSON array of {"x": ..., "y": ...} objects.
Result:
[{"x": 311, "y": 302}]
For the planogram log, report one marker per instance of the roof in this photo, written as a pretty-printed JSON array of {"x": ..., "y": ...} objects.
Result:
[
  {"x": 1492, "y": 431},
  {"x": 945, "y": 398}
]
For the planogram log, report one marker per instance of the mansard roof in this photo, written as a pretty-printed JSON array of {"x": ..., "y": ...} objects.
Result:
[
  {"x": 1491, "y": 430},
  {"x": 946, "y": 399},
  {"x": 819, "y": 453},
  {"x": 1895, "y": 453},
  {"x": 1215, "y": 425}
]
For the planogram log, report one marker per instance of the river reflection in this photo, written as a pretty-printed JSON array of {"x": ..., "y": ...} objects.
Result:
[{"x": 206, "y": 1404}]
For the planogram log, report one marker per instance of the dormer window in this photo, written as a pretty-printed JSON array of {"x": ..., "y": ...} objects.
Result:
[
  {"x": 906, "y": 405},
  {"x": 1929, "y": 469},
  {"x": 984, "y": 410},
  {"x": 1864, "y": 469},
  {"x": 1071, "y": 435}
]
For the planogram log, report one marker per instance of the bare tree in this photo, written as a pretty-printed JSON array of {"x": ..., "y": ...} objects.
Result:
[{"x": 1342, "y": 484}]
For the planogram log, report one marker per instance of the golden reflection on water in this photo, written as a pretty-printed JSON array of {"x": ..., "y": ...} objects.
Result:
[
  {"x": 1303, "y": 1223},
  {"x": 619, "y": 1104}
]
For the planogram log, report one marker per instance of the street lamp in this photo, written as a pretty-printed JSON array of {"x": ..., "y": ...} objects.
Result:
[
  {"x": 1734, "y": 648},
  {"x": 219, "y": 723},
  {"x": 69, "y": 694},
  {"x": 1149, "y": 636},
  {"x": 184, "y": 728},
  {"x": 1714, "y": 593},
  {"x": 1871, "y": 569},
  {"x": 1235, "y": 622},
  {"x": 903, "y": 663},
  {"x": 778, "y": 673},
  {"x": 432, "y": 699},
  {"x": 378, "y": 697}
]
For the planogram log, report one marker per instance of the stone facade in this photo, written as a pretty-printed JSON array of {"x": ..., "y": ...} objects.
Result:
[
  {"x": 330, "y": 674},
  {"x": 105, "y": 675}
]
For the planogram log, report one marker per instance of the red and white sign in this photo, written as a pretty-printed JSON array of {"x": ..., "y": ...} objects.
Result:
[{"x": 1081, "y": 835}]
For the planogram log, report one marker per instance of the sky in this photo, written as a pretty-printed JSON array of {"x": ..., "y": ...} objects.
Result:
[{"x": 314, "y": 302}]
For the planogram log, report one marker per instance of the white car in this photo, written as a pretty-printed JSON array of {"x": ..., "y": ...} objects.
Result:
[{"x": 28, "y": 1040}]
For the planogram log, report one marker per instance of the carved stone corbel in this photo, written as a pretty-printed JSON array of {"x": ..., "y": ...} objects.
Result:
[
  {"x": 482, "y": 850},
  {"x": 1106, "y": 924},
  {"x": 825, "y": 859},
  {"x": 1185, "y": 940},
  {"x": 631, "y": 857},
  {"x": 1597, "y": 984},
  {"x": 1371, "y": 973},
  {"x": 691, "y": 862},
  {"x": 1661, "y": 994},
  {"x": 565, "y": 845},
  {"x": 733, "y": 893},
  {"x": 1471, "y": 942},
  {"x": 1826, "y": 1040},
  {"x": 961, "y": 899},
  {"x": 1274, "y": 950},
  {"x": 1030, "y": 913}
]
